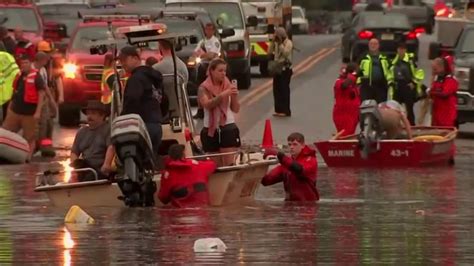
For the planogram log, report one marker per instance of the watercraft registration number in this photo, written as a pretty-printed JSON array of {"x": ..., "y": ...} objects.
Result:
[{"x": 400, "y": 153}]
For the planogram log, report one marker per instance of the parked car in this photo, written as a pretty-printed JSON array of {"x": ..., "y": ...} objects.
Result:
[
  {"x": 229, "y": 14},
  {"x": 419, "y": 13},
  {"x": 389, "y": 28},
  {"x": 299, "y": 22}
]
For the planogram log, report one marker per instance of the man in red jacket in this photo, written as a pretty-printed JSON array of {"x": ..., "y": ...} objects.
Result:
[
  {"x": 443, "y": 92},
  {"x": 184, "y": 181},
  {"x": 298, "y": 172}
]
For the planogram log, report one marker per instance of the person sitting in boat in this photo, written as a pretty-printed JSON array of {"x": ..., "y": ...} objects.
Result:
[
  {"x": 92, "y": 147},
  {"x": 184, "y": 182},
  {"x": 298, "y": 172},
  {"x": 394, "y": 121}
]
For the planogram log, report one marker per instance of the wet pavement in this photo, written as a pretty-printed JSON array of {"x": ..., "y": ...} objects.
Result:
[{"x": 410, "y": 216}]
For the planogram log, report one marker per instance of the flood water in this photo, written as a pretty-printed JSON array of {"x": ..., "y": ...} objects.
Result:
[{"x": 410, "y": 216}]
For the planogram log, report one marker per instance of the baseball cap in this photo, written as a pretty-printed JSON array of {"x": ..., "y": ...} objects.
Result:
[{"x": 44, "y": 46}]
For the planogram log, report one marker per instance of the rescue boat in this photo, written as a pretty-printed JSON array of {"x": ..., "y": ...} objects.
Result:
[
  {"x": 14, "y": 149},
  {"x": 429, "y": 146},
  {"x": 227, "y": 186}
]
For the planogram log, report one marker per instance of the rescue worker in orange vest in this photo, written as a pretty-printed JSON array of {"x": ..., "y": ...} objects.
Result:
[
  {"x": 184, "y": 183},
  {"x": 107, "y": 83},
  {"x": 24, "y": 111}
]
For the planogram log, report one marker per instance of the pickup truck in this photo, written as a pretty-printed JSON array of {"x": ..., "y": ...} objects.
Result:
[{"x": 419, "y": 13}]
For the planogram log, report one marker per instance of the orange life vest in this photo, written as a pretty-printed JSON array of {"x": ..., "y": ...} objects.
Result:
[
  {"x": 105, "y": 90},
  {"x": 31, "y": 92}
]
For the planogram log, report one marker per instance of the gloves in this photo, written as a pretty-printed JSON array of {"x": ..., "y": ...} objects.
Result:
[{"x": 280, "y": 156}]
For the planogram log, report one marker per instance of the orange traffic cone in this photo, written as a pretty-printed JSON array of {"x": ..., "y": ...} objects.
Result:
[{"x": 267, "y": 141}]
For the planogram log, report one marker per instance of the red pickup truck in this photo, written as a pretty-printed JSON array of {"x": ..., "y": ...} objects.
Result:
[{"x": 82, "y": 70}]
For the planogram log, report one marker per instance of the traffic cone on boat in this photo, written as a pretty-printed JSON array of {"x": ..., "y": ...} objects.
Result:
[{"x": 267, "y": 141}]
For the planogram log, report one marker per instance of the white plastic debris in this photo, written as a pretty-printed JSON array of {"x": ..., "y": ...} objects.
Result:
[{"x": 209, "y": 245}]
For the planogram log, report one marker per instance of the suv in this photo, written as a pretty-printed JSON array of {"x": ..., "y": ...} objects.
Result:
[
  {"x": 228, "y": 14},
  {"x": 190, "y": 20},
  {"x": 26, "y": 16},
  {"x": 83, "y": 71}
]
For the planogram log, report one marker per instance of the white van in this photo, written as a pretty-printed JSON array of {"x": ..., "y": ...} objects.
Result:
[{"x": 228, "y": 14}]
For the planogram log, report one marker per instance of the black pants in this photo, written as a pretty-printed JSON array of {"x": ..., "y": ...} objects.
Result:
[
  {"x": 406, "y": 95},
  {"x": 378, "y": 91},
  {"x": 281, "y": 91}
]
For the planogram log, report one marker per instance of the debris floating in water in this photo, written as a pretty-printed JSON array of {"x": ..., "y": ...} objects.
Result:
[
  {"x": 79, "y": 216},
  {"x": 209, "y": 245},
  {"x": 420, "y": 212}
]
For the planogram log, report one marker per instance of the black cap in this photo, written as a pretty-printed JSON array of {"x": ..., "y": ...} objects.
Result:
[{"x": 128, "y": 51}]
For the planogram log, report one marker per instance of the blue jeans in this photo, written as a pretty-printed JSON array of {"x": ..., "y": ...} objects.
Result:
[{"x": 156, "y": 133}]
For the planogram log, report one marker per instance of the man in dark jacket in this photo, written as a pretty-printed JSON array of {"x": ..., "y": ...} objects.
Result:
[
  {"x": 143, "y": 93},
  {"x": 298, "y": 172},
  {"x": 7, "y": 40}
]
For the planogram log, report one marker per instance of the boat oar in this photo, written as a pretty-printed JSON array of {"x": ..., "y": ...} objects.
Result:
[{"x": 338, "y": 134}]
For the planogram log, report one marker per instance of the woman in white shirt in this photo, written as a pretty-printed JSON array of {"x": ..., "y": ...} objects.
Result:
[{"x": 219, "y": 98}]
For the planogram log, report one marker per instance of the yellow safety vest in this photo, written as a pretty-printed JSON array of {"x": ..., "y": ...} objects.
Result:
[
  {"x": 105, "y": 90},
  {"x": 8, "y": 71},
  {"x": 417, "y": 74}
]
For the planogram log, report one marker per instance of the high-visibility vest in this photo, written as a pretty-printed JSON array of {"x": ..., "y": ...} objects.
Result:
[
  {"x": 8, "y": 71},
  {"x": 105, "y": 90},
  {"x": 31, "y": 92},
  {"x": 366, "y": 70},
  {"x": 417, "y": 74}
]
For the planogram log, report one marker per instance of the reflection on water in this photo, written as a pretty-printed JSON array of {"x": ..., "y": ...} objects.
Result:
[
  {"x": 67, "y": 169},
  {"x": 365, "y": 217}
]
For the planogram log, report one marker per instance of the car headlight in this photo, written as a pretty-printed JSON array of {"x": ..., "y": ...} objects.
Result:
[
  {"x": 462, "y": 74},
  {"x": 70, "y": 70}
]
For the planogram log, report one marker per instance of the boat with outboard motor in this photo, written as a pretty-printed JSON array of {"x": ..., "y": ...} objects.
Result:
[
  {"x": 429, "y": 146},
  {"x": 136, "y": 183}
]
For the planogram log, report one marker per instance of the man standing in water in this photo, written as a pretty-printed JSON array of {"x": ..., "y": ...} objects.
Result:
[{"x": 297, "y": 172}]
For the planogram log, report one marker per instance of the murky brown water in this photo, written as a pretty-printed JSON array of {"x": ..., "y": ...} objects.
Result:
[{"x": 412, "y": 216}]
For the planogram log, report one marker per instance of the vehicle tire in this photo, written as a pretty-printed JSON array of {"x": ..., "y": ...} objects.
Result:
[
  {"x": 264, "y": 68},
  {"x": 69, "y": 116},
  {"x": 244, "y": 81}
]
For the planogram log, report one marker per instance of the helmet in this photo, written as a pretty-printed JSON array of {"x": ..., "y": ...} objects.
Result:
[{"x": 44, "y": 46}]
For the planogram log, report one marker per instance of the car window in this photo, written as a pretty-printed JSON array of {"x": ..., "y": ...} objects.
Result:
[
  {"x": 23, "y": 18},
  {"x": 65, "y": 14},
  {"x": 468, "y": 42},
  {"x": 229, "y": 13},
  {"x": 84, "y": 38},
  {"x": 391, "y": 20},
  {"x": 296, "y": 13}
]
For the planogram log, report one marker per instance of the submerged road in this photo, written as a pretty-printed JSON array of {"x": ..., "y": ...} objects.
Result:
[{"x": 366, "y": 216}]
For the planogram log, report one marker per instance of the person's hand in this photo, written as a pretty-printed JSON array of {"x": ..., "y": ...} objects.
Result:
[
  {"x": 37, "y": 116},
  {"x": 60, "y": 100},
  {"x": 280, "y": 156},
  {"x": 234, "y": 91},
  {"x": 106, "y": 169},
  {"x": 226, "y": 93}
]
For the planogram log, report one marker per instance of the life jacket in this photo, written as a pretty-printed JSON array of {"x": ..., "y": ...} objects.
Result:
[
  {"x": 417, "y": 74},
  {"x": 105, "y": 90},
  {"x": 31, "y": 92},
  {"x": 366, "y": 69},
  {"x": 8, "y": 71}
]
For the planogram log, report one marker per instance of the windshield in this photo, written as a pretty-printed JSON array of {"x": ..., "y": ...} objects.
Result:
[
  {"x": 85, "y": 36},
  {"x": 23, "y": 18},
  {"x": 391, "y": 21},
  {"x": 65, "y": 14},
  {"x": 468, "y": 42},
  {"x": 229, "y": 13},
  {"x": 183, "y": 27},
  {"x": 296, "y": 13}
]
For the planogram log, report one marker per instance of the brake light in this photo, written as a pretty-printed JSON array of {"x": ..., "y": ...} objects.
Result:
[
  {"x": 415, "y": 33},
  {"x": 236, "y": 49},
  {"x": 366, "y": 34},
  {"x": 70, "y": 71},
  {"x": 235, "y": 54}
]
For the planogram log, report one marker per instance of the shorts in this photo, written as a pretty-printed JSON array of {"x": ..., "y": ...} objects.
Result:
[
  {"x": 15, "y": 122},
  {"x": 227, "y": 136}
]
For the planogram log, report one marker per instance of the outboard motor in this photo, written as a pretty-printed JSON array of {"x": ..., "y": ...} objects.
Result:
[
  {"x": 371, "y": 128},
  {"x": 135, "y": 153}
]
